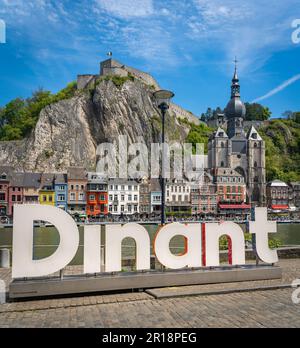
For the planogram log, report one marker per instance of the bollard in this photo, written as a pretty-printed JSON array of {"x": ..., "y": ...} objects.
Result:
[
  {"x": 4, "y": 258},
  {"x": 2, "y": 292}
]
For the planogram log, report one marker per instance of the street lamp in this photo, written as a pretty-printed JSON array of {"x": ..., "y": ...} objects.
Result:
[{"x": 162, "y": 99}]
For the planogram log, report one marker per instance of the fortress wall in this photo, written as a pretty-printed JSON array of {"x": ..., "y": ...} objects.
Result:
[
  {"x": 147, "y": 78},
  {"x": 181, "y": 113},
  {"x": 84, "y": 80}
]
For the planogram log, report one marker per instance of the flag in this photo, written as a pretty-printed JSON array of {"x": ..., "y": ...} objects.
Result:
[{"x": 109, "y": 53}]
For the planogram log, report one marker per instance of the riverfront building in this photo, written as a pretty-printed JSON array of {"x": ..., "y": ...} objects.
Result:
[
  {"x": 97, "y": 195},
  {"x": 123, "y": 197}
]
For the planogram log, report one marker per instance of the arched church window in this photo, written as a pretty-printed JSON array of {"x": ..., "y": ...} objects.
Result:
[
  {"x": 222, "y": 164},
  {"x": 255, "y": 145},
  {"x": 255, "y": 164}
]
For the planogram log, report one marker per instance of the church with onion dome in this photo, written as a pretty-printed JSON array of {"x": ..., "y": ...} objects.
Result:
[{"x": 239, "y": 151}]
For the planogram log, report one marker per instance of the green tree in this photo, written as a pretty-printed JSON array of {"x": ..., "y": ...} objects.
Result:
[{"x": 257, "y": 112}]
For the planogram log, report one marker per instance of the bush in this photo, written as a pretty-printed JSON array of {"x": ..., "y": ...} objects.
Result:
[{"x": 19, "y": 117}]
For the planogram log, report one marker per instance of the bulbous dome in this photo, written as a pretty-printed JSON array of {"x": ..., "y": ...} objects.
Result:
[{"x": 235, "y": 108}]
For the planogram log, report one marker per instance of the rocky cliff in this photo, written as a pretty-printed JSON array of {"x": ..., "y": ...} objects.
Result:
[{"x": 68, "y": 132}]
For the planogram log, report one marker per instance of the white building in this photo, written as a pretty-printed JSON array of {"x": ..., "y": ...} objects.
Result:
[{"x": 123, "y": 197}]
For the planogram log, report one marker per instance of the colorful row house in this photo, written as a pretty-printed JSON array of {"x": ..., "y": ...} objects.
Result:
[
  {"x": 5, "y": 173},
  {"x": 77, "y": 186},
  {"x": 97, "y": 195},
  {"x": 123, "y": 197}
]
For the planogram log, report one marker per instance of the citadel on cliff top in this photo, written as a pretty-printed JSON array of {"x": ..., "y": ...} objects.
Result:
[{"x": 112, "y": 67}]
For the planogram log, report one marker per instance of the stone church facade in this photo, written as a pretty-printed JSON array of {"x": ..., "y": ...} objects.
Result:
[{"x": 238, "y": 150}]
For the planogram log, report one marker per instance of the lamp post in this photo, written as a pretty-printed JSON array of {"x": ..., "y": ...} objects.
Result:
[{"x": 162, "y": 99}]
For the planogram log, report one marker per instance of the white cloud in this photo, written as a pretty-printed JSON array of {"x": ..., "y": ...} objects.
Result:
[
  {"x": 278, "y": 89},
  {"x": 127, "y": 8}
]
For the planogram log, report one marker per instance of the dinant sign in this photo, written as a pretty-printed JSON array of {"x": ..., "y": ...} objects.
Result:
[{"x": 201, "y": 239}]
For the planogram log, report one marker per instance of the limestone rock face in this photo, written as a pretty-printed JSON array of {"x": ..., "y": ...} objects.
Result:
[{"x": 68, "y": 132}]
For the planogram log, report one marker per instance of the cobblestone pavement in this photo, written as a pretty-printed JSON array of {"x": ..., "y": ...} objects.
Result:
[
  {"x": 272, "y": 308},
  {"x": 253, "y": 309}
]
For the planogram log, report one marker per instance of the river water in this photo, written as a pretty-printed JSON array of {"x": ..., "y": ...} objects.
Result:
[{"x": 46, "y": 240}]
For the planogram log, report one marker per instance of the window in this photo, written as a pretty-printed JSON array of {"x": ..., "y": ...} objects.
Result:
[
  {"x": 61, "y": 198},
  {"x": 111, "y": 187},
  {"x": 81, "y": 196},
  {"x": 77, "y": 187},
  {"x": 255, "y": 164},
  {"x": 72, "y": 187},
  {"x": 129, "y": 208},
  {"x": 110, "y": 197},
  {"x": 130, "y": 197},
  {"x": 123, "y": 187},
  {"x": 91, "y": 208},
  {"x": 110, "y": 208},
  {"x": 61, "y": 188},
  {"x": 135, "y": 188},
  {"x": 13, "y": 198},
  {"x": 2, "y": 196},
  {"x": 72, "y": 196},
  {"x": 116, "y": 187},
  {"x": 44, "y": 198},
  {"x": 222, "y": 164},
  {"x": 228, "y": 189},
  {"x": 255, "y": 145},
  {"x": 222, "y": 145},
  {"x": 135, "y": 208},
  {"x": 102, "y": 198},
  {"x": 82, "y": 187},
  {"x": 115, "y": 208},
  {"x": 129, "y": 187},
  {"x": 122, "y": 208},
  {"x": 122, "y": 198},
  {"x": 115, "y": 197},
  {"x": 50, "y": 199},
  {"x": 135, "y": 198},
  {"x": 92, "y": 197}
]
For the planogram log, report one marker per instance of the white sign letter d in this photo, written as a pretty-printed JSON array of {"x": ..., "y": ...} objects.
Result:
[{"x": 22, "y": 263}]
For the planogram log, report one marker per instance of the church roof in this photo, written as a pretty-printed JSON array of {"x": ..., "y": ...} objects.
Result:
[
  {"x": 220, "y": 133},
  {"x": 253, "y": 134}
]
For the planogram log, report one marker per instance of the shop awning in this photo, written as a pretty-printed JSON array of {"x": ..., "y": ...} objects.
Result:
[
  {"x": 235, "y": 206},
  {"x": 280, "y": 207}
]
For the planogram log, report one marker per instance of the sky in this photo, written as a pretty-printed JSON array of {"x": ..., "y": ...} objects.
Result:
[{"x": 188, "y": 45}]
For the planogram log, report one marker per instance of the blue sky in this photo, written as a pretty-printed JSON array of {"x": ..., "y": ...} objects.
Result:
[{"x": 188, "y": 46}]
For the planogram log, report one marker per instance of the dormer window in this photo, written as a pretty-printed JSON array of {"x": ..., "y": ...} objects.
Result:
[
  {"x": 254, "y": 136},
  {"x": 221, "y": 134},
  {"x": 3, "y": 176}
]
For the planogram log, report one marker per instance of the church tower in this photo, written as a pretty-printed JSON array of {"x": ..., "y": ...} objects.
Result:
[
  {"x": 236, "y": 150},
  {"x": 235, "y": 111}
]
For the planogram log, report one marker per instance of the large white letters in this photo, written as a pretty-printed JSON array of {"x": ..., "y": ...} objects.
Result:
[
  {"x": 92, "y": 249},
  {"x": 24, "y": 265},
  {"x": 24, "y": 217},
  {"x": 192, "y": 257},
  {"x": 261, "y": 227},
  {"x": 212, "y": 236},
  {"x": 113, "y": 246}
]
